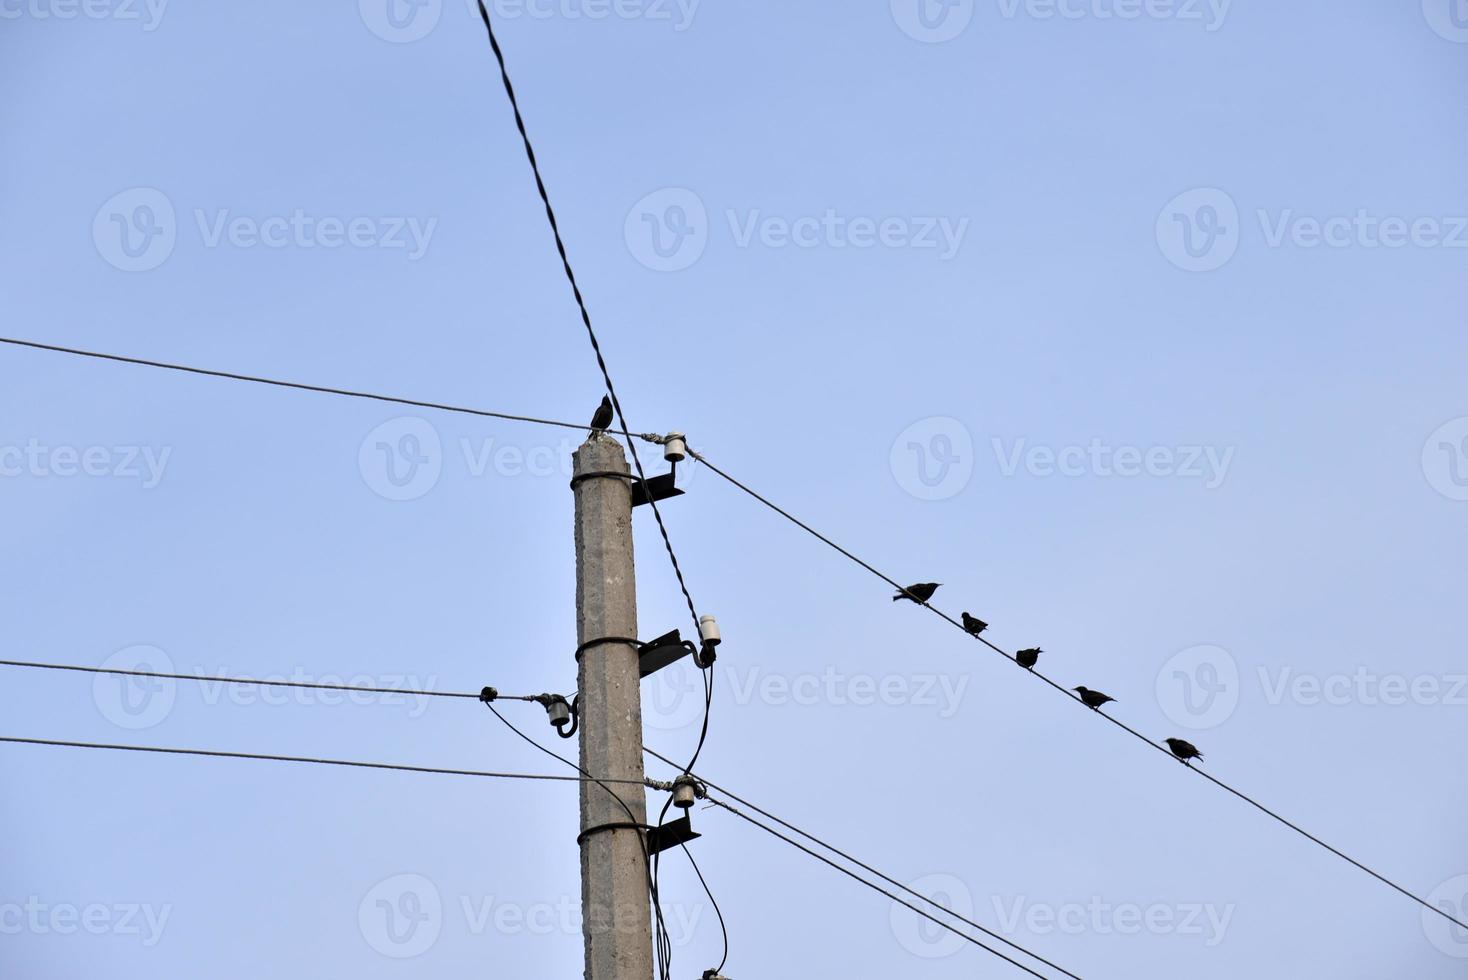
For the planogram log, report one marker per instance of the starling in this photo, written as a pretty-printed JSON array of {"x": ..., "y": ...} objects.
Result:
[
  {"x": 1028, "y": 658},
  {"x": 1184, "y": 750},
  {"x": 1093, "y": 699},
  {"x": 919, "y": 593},
  {"x": 603, "y": 416},
  {"x": 973, "y": 626}
]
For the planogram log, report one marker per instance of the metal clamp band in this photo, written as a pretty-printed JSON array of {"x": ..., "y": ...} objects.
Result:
[
  {"x": 580, "y": 478},
  {"x": 604, "y": 641},
  {"x": 601, "y": 828}
]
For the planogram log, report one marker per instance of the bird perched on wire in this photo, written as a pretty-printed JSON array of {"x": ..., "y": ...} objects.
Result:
[
  {"x": 973, "y": 626},
  {"x": 1184, "y": 750},
  {"x": 919, "y": 593},
  {"x": 603, "y": 417},
  {"x": 1028, "y": 658},
  {"x": 1092, "y": 699}
]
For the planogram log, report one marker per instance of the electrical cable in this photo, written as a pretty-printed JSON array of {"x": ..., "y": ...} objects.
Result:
[
  {"x": 218, "y": 754},
  {"x": 303, "y": 685},
  {"x": 861, "y": 864},
  {"x": 320, "y": 389},
  {"x": 1068, "y": 694},
  {"x": 877, "y": 888},
  {"x": 662, "y": 941}
]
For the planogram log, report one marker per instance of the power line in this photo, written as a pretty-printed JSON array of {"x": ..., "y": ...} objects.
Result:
[
  {"x": 266, "y": 683},
  {"x": 601, "y": 362},
  {"x": 867, "y": 867},
  {"x": 724, "y": 929},
  {"x": 877, "y": 888},
  {"x": 216, "y": 754},
  {"x": 664, "y": 945},
  {"x": 1061, "y": 688},
  {"x": 320, "y": 389}
]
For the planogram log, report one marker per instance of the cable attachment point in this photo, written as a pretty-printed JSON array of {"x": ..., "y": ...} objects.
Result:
[
  {"x": 686, "y": 790},
  {"x": 708, "y": 631},
  {"x": 488, "y": 695},
  {"x": 561, "y": 712}
]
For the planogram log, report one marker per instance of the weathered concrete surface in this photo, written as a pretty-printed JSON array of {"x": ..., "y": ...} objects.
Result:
[{"x": 614, "y": 899}]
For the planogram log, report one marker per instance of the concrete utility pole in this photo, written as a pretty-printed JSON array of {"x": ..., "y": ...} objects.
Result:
[{"x": 617, "y": 923}]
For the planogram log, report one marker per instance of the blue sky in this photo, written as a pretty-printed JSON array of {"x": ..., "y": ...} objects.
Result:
[{"x": 1136, "y": 325}]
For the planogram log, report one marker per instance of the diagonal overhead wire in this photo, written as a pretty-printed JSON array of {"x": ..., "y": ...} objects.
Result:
[
  {"x": 319, "y": 389},
  {"x": 1069, "y": 695},
  {"x": 217, "y": 754},
  {"x": 865, "y": 867}
]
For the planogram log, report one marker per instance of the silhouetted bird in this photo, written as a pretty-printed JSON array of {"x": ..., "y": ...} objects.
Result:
[
  {"x": 1028, "y": 658},
  {"x": 920, "y": 593},
  {"x": 973, "y": 626},
  {"x": 603, "y": 416},
  {"x": 1184, "y": 750},
  {"x": 1093, "y": 699}
]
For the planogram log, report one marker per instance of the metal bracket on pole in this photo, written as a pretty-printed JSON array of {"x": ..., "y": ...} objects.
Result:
[
  {"x": 665, "y": 651},
  {"x": 656, "y": 487},
  {"x": 671, "y": 834}
]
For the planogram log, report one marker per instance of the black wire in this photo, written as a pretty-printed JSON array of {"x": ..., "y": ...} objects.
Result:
[
  {"x": 601, "y": 362},
  {"x": 861, "y": 864},
  {"x": 252, "y": 680},
  {"x": 211, "y": 753},
  {"x": 1061, "y": 688},
  {"x": 550, "y": 214},
  {"x": 713, "y": 901},
  {"x": 321, "y": 389},
  {"x": 662, "y": 939},
  {"x": 877, "y": 888}
]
